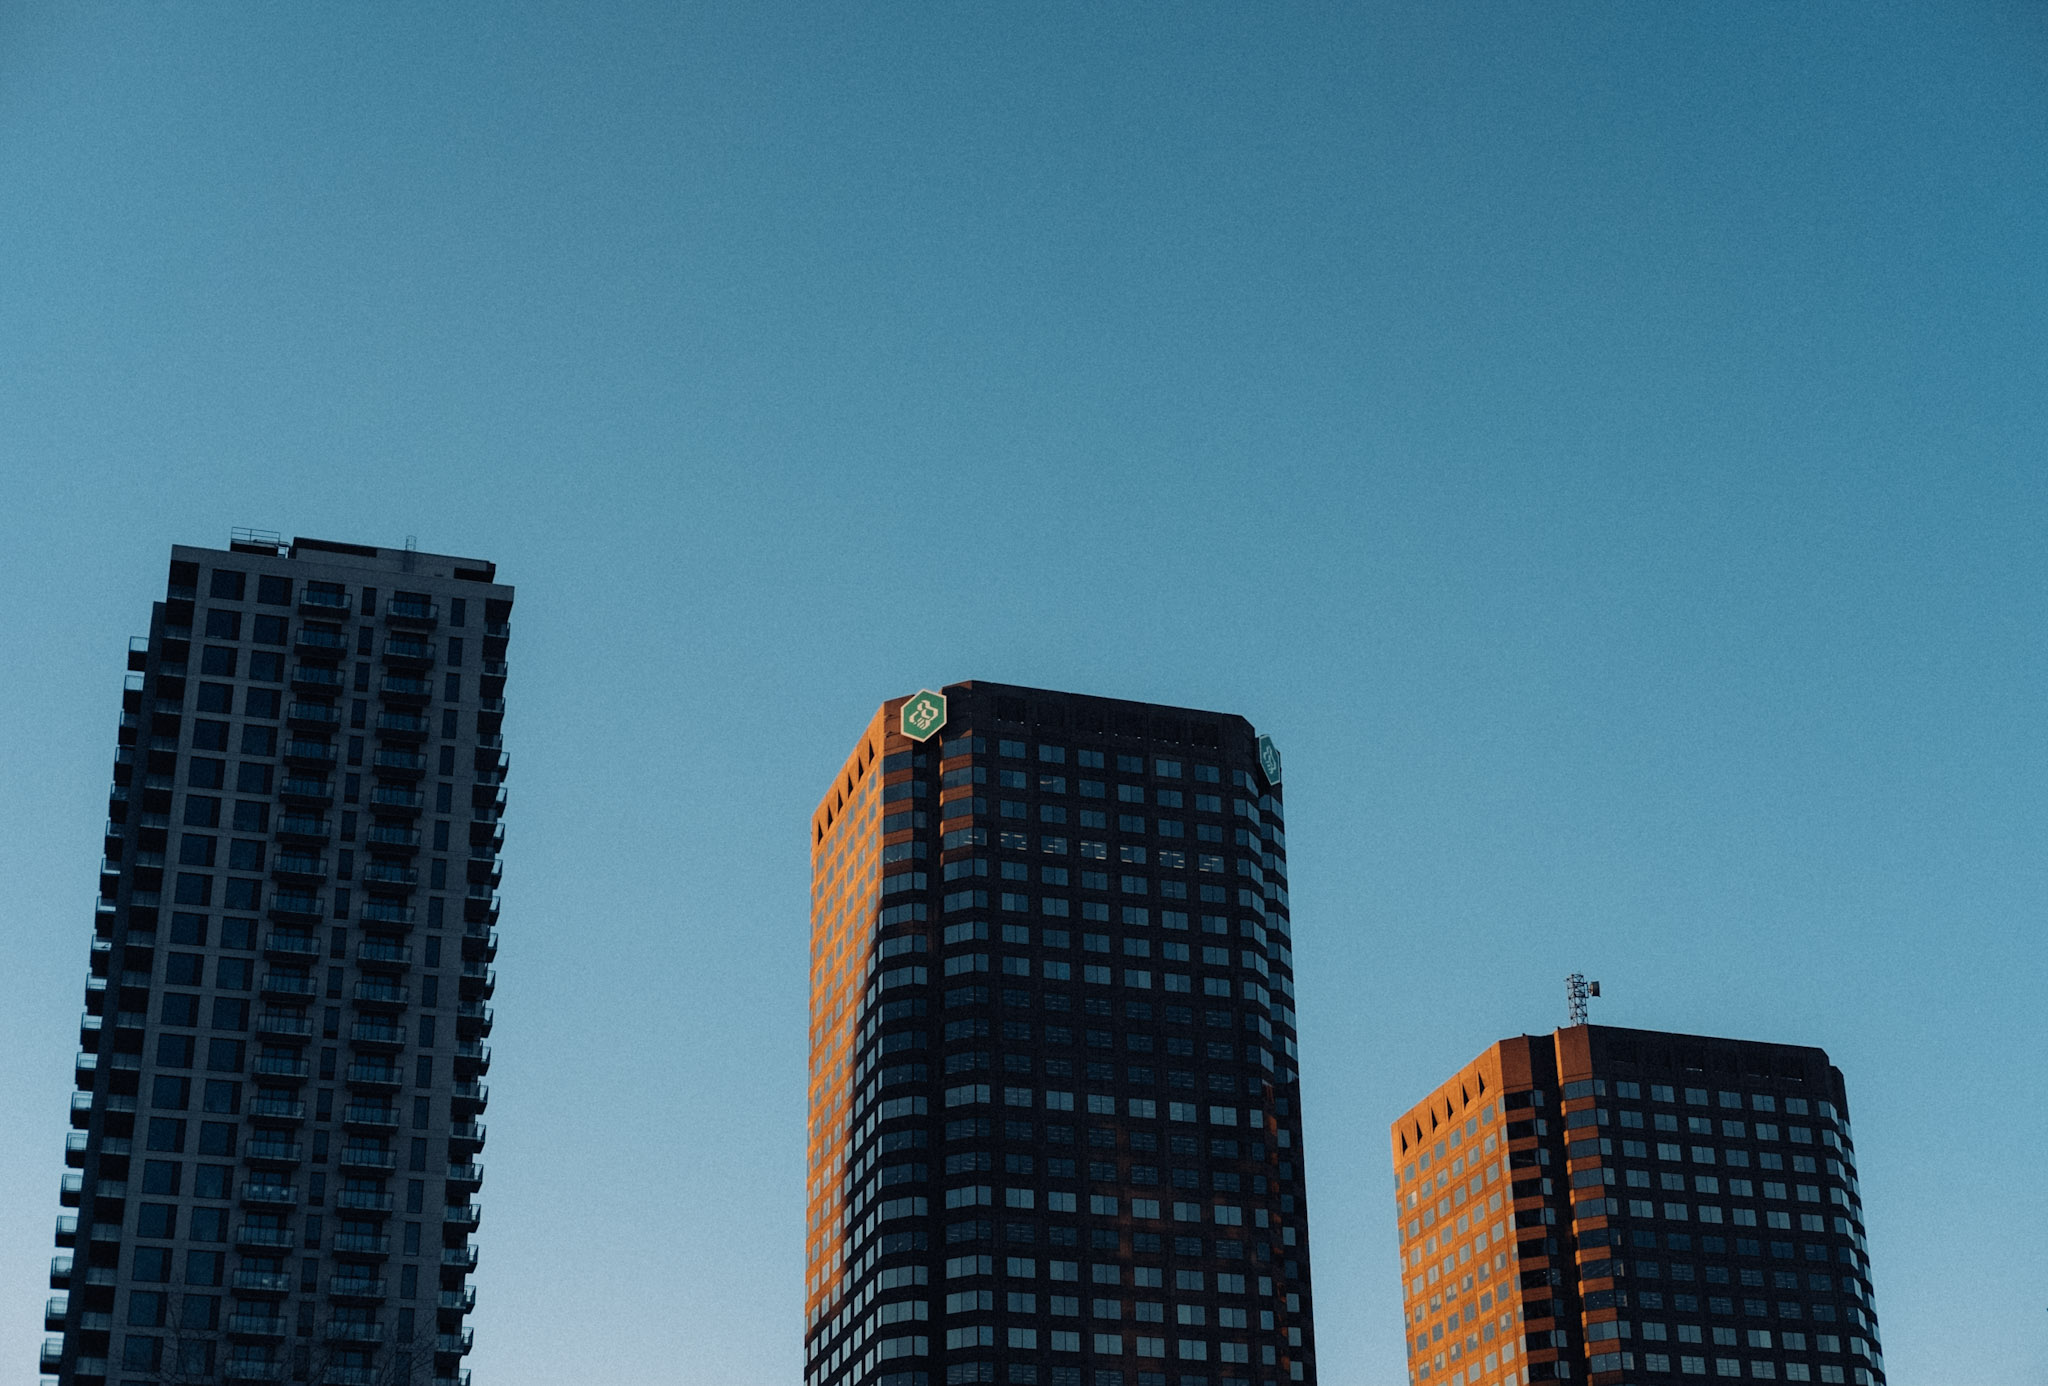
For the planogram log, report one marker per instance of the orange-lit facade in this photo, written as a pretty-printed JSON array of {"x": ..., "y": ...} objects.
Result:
[
  {"x": 846, "y": 876},
  {"x": 1630, "y": 1206}
]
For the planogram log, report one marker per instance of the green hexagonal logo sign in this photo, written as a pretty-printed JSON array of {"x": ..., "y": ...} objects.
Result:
[
  {"x": 1269, "y": 760},
  {"x": 924, "y": 714}
]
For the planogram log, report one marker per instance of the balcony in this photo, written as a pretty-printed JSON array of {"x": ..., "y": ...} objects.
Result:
[
  {"x": 466, "y": 1217},
  {"x": 67, "y": 1229},
  {"x": 390, "y": 875},
  {"x": 256, "y": 1326},
  {"x": 305, "y": 790},
  {"x": 290, "y": 945},
  {"x": 485, "y": 870},
  {"x": 470, "y": 1133},
  {"x": 254, "y": 1282},
  {"x": 466, "y": 1178},
  {"x": 404, "y": 691},
  {"x": 74, "y": 1147},
  {"x": 392, "y": 839},
  {"x": 349, "y": 1376},
  {"x": 258, "y": 1151},
  {"x": 460, "y": 1258},
  {"x": 276, "y": 1068},
  {"x": 283, "y": 1025},
  {"x": 479, "y": 942},
  {"x": 472, "y": 1020},
  {"x": 328, "y": 606},
  {"x": 364, "y": 1156},
  {"x": 406, "y": 764},
  {"x": 366, "y": 1034},
  {"x": 320, "y": 642},
  {"x": 346, "y": 1331},
  {"x": 53, "y": 1354},
  {"x": 301, "y": 827},
  {"x": 472, "y": 1059},
  {"x": 313, "y": 716},
  {"x": 366, "y": 1118},
  {"x": 355, "y": 1287},
  {"x": 277, "y": 1109},
  {"x": 60, "y": 1272},
  {"x": 363, "y": 1201},
  {"x": 411, "y": 613},
  {"x": 471, "y": 1098},
  {"x": 316, "y": 678},
  {"x": 456, "y": 1343},
  {"x": 388, "y": 915},
  {"x": 54, "y": 1310},
  {"x": 265, "y": 1369},
  {"x": 375, "y": 993},
  {"x": 294, "y": 906},
  {"x": 391, "y": 798},
  {"x": 309, "y": 755},
  {"x": 71, "y": 1189},
  {"x": 460, "y": 1301},
  {"x": 409, "y": 654},
  {"x": 262, "y": 1195},
  {"x": 307, "y": 867},
  {"x": 264, "y": 1238},
  {"x": 384, "y": 955},
  {"x": 288, "y": 984},
  {"x": 479, "y": 981},
  {"x": 480, "y": 906},
  {"x": 360, "y": 1244},
  {"x": 368, "y": 1075},
  {"x": 403, "y": 726}
]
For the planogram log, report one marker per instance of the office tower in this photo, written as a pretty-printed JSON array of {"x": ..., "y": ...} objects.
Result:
[
  {"x": 1627, "y": 1206},
  {"x": 1055, "y": 1131},
  {"x": 276, "y": 1126}
]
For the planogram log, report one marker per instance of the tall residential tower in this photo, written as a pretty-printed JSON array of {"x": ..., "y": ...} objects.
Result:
[
  {"x": 276, "y": 1122},
  {"x": 1055, "y": 1132},
  {"x": 1634, "y": 1208}
]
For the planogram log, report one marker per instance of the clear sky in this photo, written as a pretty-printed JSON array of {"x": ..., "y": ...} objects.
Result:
[{"x": 1602, "y": 444}]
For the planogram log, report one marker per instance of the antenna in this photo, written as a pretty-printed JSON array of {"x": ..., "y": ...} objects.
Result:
[
  {"x": 1577, "y": 989},
  {"x": 411, "y": 556}
]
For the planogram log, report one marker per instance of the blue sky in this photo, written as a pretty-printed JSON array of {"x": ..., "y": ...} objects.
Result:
[{"x": 1602, "y": 444}]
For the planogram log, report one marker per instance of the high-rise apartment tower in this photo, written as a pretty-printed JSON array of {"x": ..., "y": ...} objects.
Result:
[
  {"x": 276, "y": 1122},
  {"x": 1055, "y": 1132},
  {"x": 1634, "y": 1208}
]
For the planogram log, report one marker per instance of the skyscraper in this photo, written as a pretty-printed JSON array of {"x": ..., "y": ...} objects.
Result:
[
  {"x": 1055, "y": 1132},
  {"x": 276, "y": 1122},
  {"x": 1629, "y": 1206}
]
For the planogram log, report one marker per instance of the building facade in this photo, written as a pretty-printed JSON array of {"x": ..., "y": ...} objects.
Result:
[
  {"x": 277, "y": 1119},
  {"x": 1633, "y": 1207},
  {"x": 1055, "y": 1130}
]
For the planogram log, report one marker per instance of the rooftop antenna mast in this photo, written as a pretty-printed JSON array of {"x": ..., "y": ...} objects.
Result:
[{"x": 1577, "y": 990}]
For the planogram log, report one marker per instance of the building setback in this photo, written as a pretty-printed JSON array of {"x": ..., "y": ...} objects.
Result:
[
  {"x": 276, "y": 1122},
  {"x": 1634, "y": 1207},
  {"x": 1055, "y": 1132}
]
